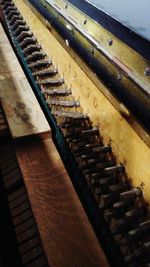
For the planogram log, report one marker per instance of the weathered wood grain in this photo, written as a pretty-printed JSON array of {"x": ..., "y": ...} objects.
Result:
[
  {"x": 23, "y": 113},
  {"x": 67, "y": 236}
]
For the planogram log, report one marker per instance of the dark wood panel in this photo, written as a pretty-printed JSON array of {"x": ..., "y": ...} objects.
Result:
[{"x": 66, "y": 233}]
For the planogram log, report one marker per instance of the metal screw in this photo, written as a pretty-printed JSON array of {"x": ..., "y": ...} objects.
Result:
[
  {"x": 110, "y": 42},
  {"x": 84, "y": 21},
  {"x": 147, "y": 72},
  {"x": 67, "y": 42}
]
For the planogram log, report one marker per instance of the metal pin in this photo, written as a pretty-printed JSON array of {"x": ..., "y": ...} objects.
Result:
[
  {"x": 63, "y": 103},
  {"x": 21, "y": 28},
  {"x": 135, "y": 192},
  {"x": 6, "y": 4},
  {"x": 108, "y": 200},
  {"x": 101, "y": 149},
  {"x": 40, "y": 64},
  {"x": 14, "y": 18},
  {"x": 18, "y": 23},
  {"x": 118, "y": 187},
  {"x": 28, "y": 41},
  {"x": 90, "y": 132},
  {"x": 24, "y": 35},
  {"x": 115, "y": 169},
  {"x": 37, "y": 55},
  {"x": 45, "y": 73},
  {"x": 9, "y": 9},
  {"x": 51, "y": 82},
  {"x": 13, "y": 13},
  {"x": 32, "y": 48},
  {"x": 108, "y": 180},
  {"x": 72, "y": 115},
  {"x": 61, "y": 92}
]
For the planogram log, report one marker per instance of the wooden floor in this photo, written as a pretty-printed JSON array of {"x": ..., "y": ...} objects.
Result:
[{"x": 67, "y": 236}]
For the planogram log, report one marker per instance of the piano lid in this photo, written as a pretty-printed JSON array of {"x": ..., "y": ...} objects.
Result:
[{"x": 133, "y": 14}]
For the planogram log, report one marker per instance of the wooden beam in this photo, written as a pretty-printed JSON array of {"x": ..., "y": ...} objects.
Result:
[
  {"x": 66, "y": 234},
  {"x": 24, "y": 115}
]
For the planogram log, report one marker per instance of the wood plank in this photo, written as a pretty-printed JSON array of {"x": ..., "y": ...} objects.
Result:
[
  {"x": 23, "y": 113},
  {"x": 67, "y": 236}
]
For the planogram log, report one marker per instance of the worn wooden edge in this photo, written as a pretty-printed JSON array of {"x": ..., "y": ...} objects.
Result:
[
  {"x": 22, "y": 110},
  {"x": 66, "y": 233}
]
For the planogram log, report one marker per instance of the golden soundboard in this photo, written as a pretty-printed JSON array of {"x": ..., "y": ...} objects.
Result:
[{"x": 74, "y": 134}]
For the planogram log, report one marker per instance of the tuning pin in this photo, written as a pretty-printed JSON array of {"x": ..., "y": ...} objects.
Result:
[
  {"x": 108, "y": 200},
  {"x": 32, "y": 48},
  {"x": 24, "y": 35},
  {"x": 37, "y": 55},
  {"x": 101, "y": 149},
  {"x": 138, "y": 254},
  {"x": 93, "y": 131},
  {"x": 9, "y": 9},
  {"x": 12, "y": 13},
  {"x": 108, "y": 180},
  {"x": 7, "y": 4},
  {"x": 20, "y": 29},
  {"x": 28, "y": 41},
  {"x": 120, "y": 226},
  {"x": 145, "y": 226},
  {"x": 46, "y": 73},
  {"x": 89, "y": 147},
  {"x": 14, "y": 18},
  {"x": 135, "y": 192},
  {"x": 18, "y": 23},
  {"x": 72, "y": 115},
  {"x": 134, "y": 214},
  {"x": 51, "y": 82},
  {"x": 69, "y": 103},
  {"x": 40, "y": 64},
  {"x": 119, "y": 187},
  {"x": 61, "y": 92},
  {"x": 115, "y": 169}
]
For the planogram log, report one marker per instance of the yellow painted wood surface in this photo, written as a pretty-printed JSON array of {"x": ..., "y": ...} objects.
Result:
[
  {"x": 23, "y": 113},
  {"x": 127, "y": 146}
]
